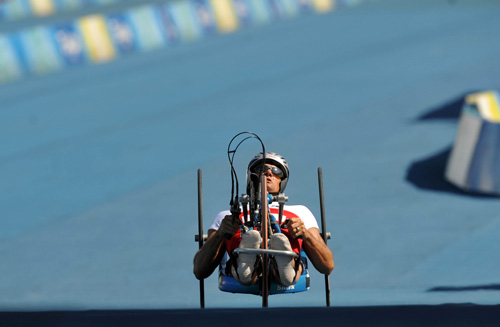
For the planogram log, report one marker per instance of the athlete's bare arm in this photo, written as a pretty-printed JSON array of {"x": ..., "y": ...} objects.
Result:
[{"x": 212, "y": 252}]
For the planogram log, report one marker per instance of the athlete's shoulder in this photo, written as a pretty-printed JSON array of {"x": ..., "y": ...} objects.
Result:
[
  {"x": 218, "y": 219},
  {"x": 303, "y": 213},
  {"x": 298, "y": 208},
  {"x": 224, "y": 213}
]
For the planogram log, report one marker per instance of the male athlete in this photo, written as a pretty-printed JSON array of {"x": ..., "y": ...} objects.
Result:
[{"x": 300, "y": 232}]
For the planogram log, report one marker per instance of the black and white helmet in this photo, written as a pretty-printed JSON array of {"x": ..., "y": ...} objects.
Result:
[{"x": 274, "y": 159}]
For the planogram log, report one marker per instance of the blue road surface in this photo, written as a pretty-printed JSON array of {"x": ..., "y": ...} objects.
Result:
[{"x": 98, "y": 164}]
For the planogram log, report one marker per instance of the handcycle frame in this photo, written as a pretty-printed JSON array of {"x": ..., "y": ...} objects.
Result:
[{"x": 254, "y": 289}]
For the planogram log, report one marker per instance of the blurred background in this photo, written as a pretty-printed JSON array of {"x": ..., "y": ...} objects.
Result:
[{"x": 108, "y": 108}]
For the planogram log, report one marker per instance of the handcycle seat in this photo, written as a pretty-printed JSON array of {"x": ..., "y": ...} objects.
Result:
[{"x": 227, "y": 283}]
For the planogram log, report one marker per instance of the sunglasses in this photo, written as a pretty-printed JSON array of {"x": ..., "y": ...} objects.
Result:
[{"x": 275, "y": 170}]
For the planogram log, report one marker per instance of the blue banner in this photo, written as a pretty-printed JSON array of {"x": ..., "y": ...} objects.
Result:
[
  {"x": 261, "y": 10},
  {"x": 40, "y": 52},
  {"x": 243, "y": 9},
  {"x": 17, "y": 9},
  {"x": 170, "y": 30},
  {"x": 275, "y": 8},
  {"x": 105, "y": 2},
  {"x": 18, "y": 49},
  {"x": 148, "y": 27},
  {"x": 10, "y": 68},
  {"x": 204, "y": 16},
  {"x": 122, "y": 32},
  {"x": 86, "y": 3},
  {"x": 69, "y": 44},
  {"x": 288, "y": 8},
  {"x": 183, "y": 18},
  {"x": 305, "y": 5},
  {"x": 66, "y": 5}
]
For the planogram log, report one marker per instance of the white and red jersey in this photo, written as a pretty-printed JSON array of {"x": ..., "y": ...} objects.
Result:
[{"x": 289, "y": 211}]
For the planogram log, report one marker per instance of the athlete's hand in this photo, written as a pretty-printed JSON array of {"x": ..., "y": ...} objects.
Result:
[
  {"x": 228, "y": 226},
  {"x": 296, "y": 227}
]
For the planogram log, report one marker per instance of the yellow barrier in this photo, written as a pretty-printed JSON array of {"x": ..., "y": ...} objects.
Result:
[
  {"x": 225, "y": 15},
  {"x": 323, "y": 6},
  {"x": 96, "y": 37},
  {"x": 43, "y": 8},
  {"x": 486, "y": 104}
]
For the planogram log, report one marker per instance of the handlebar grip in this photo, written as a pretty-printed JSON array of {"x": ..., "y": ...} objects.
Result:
[{"x": 235, "y": 212}]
